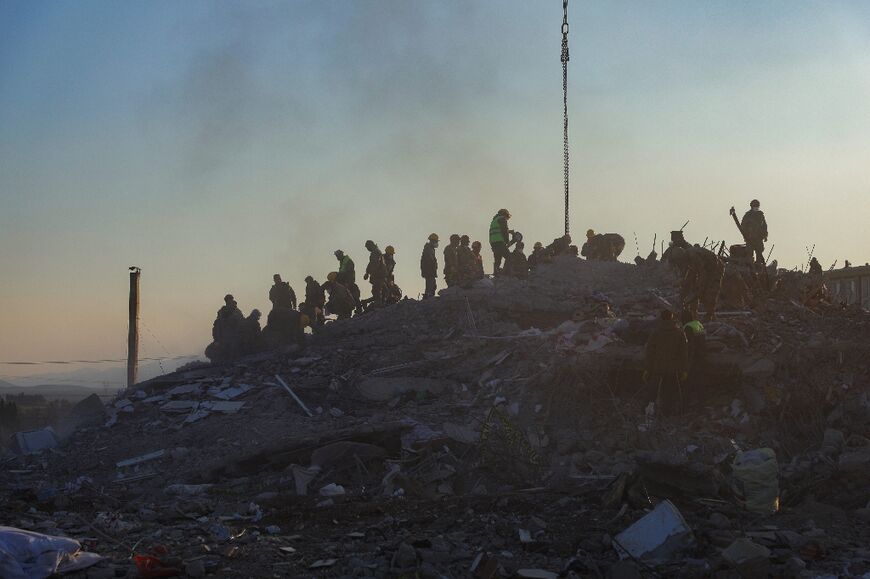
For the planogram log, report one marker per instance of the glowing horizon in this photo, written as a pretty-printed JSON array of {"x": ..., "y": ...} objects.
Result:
[{"x": 214, "y": 145}]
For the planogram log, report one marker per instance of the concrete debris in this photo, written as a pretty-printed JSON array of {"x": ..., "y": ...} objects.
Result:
[
  {"x": 658, "y": 536},
  {"x": 501, "y": 430},
  {"x": 33, "y": 441},
  {"x": 140, "y": 459}
]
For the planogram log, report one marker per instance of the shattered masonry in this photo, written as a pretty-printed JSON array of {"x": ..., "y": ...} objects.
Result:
[{"x": 496, "y": 431}]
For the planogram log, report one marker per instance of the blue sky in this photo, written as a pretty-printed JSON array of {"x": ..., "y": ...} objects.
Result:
[{"x": 216, "y": 143}]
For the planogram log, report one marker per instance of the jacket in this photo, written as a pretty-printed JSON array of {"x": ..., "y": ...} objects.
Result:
[
  {"x": 346, "y": 271},
  {"x": 428, "y": 261},
  {"x": 754, "y": 225},
  {"x": 498, "y": 230}
]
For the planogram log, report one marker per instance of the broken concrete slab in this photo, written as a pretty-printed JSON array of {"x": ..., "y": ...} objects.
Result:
[
  {"x": 33, "y": 441},
  {"x": 230, "y": 393},
  {"x": 184, "y": 389},
  {"x": 658, "y": 536},
  {"x": 383, "y": 389}
]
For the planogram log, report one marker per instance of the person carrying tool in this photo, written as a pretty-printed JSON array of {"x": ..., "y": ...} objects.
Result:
[
  {"x": 451, "y": 262},
  {"x": 376, "y": 272},
  {"x": 429, "y": 265},
  {"x": 667, "y": 364},
  {"x": 499, "y": 234},
  {"x": 754, "y": 229}
]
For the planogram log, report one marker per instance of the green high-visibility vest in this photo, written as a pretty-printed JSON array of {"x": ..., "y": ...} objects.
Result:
[{"x": 495, "y": 234}]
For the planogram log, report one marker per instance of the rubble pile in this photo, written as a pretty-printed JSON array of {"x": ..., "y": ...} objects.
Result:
[{"x": 496, "y": 431}]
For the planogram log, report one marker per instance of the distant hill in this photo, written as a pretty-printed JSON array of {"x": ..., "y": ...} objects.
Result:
[{"x": 68, "y": 391}]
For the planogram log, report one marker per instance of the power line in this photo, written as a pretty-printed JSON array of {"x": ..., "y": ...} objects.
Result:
[{"x": 106, "y": 361}]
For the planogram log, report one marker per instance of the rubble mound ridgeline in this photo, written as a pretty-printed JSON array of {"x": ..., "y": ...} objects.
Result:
[{"x": 498, "y": 430}]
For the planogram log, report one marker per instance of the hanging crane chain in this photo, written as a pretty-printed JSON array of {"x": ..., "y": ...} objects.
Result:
[{"x": 565, "y": 58}]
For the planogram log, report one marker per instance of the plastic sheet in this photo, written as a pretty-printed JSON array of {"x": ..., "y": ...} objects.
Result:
[{"x": 29, "y": 555}]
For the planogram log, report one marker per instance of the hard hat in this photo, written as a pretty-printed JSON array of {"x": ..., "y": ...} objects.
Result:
[
  {"x": 590, "y": 233},
  {"x": 433, "y": 237},
  {"x": 755, "y": 203},
  {"x": 504, "y": 212},
  {"x": 390, "y": 250},
  {"x": 332, "y": 276}
]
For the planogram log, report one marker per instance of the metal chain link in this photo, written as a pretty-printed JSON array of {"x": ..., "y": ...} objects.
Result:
[{"x": 565, "y": 58}]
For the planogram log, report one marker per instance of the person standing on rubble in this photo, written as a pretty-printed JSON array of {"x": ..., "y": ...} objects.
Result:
[
  {"x": 451, "y": 261},
  {"x": 536, "y": 255},
  {"x": 667, "y": 364},
  {"x": 465, "y": 267},
  {"x": 754, "y": 227},
  {"x": 315, "y": 299},
  {"x": 499, "y": 234},
  {"x": 429, "y": 265},
  {"x": 347, "y": 275},
  {"x": 281, "y": 294},
  {"x": 376, "y": 272},
  {"x": 476, "y": 247},
  {"x": 250, "y": 333},
  {"x": 390, "y": 262}
]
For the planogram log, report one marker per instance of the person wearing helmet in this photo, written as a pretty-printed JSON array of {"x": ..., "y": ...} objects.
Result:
[
  {"x": 754, "y": 227},
  {"x": 476, "y": 247},
  {"x": 499, "y": 236},
  {"x": 451, "y": 264},
  {"x": 429, "y": 265}
]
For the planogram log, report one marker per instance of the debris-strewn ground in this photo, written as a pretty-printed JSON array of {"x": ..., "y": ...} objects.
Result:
[{"x": 498, "y": 431}]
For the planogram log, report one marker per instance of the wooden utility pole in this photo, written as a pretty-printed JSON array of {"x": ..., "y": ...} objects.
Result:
[{"x": 133, "y": 335}]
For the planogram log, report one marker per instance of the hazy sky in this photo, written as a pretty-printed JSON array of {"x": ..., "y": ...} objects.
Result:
[{"x": 216, "y": 143}]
